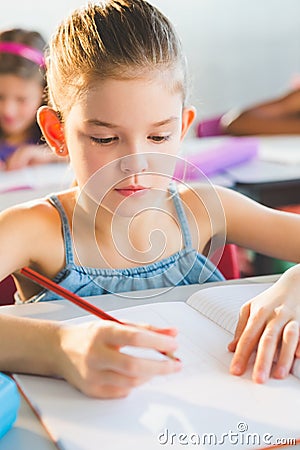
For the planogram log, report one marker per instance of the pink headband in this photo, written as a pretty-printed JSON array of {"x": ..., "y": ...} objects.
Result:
[{"x": 33, "y": 54}]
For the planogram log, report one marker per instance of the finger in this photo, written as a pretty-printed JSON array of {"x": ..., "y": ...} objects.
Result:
[
  {"x": 267, "y": 348},
  {"x": 139, "y": 367},
  {"x": 290, "y": 340},
  {"x": 105, "y": 384},
  {"x": 110, "y": 378},
  {"x": 167, "y": 331},
  {"x": 246, "y": 344},
  {"x": 107, "y": 392},
  {"x": 242, "y": 322},
  {"x": 119, "y": 336}
]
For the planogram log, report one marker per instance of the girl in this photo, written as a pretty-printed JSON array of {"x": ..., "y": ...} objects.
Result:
[
  {"x": 118, "y": 108},
  {"x": 22, "y": 83}
]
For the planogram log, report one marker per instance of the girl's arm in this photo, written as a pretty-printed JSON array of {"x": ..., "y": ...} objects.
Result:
[
  {"x": 227, "y": 216},
  {"x": 87, "y": 356},
  {"x": 30, "y": 155},
  {"x": 269, "y": 323},
  {"x": 278, "y": 116},
  {"x": 259, "y": 228}
]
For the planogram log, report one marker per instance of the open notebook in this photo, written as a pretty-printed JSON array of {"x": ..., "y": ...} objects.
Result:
[{"x": 203, "y": 406}]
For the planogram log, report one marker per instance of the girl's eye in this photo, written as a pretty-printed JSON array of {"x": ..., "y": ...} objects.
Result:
[
  {"x": 104, "y": 141},
  {"x": 159, "y": 138}
]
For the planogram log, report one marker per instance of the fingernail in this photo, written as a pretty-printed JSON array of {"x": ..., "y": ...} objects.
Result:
[
  {"x": 260, "y": 377},
  {"x": 236, "y": 369},
  {"x": 280, "y": 372}
]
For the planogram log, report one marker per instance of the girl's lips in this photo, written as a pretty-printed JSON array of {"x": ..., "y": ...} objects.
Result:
[{"x": 131, "y": 190}]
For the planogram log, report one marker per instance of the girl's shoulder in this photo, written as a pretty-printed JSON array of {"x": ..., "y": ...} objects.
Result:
[
  {"x": 36, "y": 213},
  {"x": 206, "y": 199},
  {"x": 207, "y": 193},
  {"x": 197, "y": 195},
  {"x": 28, "y": 232}
]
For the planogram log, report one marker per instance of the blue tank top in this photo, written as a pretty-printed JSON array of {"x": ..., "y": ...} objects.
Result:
[{"x": 184, "y": 267}]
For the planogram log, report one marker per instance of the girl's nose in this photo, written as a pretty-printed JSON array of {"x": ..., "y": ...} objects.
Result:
[{"x": 134, "y": 163}]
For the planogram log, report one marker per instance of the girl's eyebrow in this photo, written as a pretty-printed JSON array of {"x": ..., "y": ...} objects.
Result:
[
  {"x": 166, "y": 121},
  {"x": 101, "y": 123}
]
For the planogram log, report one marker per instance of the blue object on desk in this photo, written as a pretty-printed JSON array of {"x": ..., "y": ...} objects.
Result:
[{"x": 9, "y": 403}]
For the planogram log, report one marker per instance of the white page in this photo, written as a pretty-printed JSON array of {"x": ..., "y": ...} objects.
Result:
[
  {"x": 203, "y": 398},
  {"x": 222, "y": 304}
]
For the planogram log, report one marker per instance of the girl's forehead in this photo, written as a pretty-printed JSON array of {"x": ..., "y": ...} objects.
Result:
[
  {"x": 155, "y": 84},
  {"x": 126, "y": 102},
  {"x": 83, "y": 89},
  {"x": 116, "y": 92}
]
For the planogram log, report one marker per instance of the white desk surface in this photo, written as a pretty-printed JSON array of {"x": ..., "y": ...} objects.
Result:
[
  {"x": 28, "y": 432},
  {"x": 22, "y": 185}
]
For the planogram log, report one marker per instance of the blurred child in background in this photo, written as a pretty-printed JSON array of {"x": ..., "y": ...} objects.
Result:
[{"x": 22, "y": 85}]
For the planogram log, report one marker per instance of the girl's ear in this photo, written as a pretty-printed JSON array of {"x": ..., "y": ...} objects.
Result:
[
  {"x": 52, "y": 130},
  {"x": 188, "y": 116}
]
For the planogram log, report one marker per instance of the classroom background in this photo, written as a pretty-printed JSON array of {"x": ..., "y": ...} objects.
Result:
[{"x": 239, "y": 51}]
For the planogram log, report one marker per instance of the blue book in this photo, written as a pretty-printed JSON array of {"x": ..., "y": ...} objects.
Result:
[{"x": 9, "y": 403}]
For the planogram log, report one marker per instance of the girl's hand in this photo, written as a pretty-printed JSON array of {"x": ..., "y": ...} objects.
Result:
[
  {"x": 91, "y": 357},
  {"x": 30, "y": 155},
  {"x": 269, "y": 323}
]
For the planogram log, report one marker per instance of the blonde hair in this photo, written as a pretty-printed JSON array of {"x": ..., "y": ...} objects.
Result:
[{"x": 111, "y": 39}]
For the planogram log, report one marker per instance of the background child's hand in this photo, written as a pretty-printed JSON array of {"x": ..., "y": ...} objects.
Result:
[
  {"x": 269, "y": 323},
  {"x": 91, "y": 359},
  {"x": 29, "y": 155}
]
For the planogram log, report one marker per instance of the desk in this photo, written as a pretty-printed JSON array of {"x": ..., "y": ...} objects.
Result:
[
  {"x": 32, "y": 182},
  {"x": 271, "y": 178},
  {"x": 268, "y": 182},
  {"x": 27, "y": 432}
]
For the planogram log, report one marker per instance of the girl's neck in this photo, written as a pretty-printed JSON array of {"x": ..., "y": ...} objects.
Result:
[{"x": 125, "y": 241}]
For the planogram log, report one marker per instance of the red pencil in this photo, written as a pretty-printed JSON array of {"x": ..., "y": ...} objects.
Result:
[
  {"x": 74, "y": 298},
  {"x": 68, "y": 295}
]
